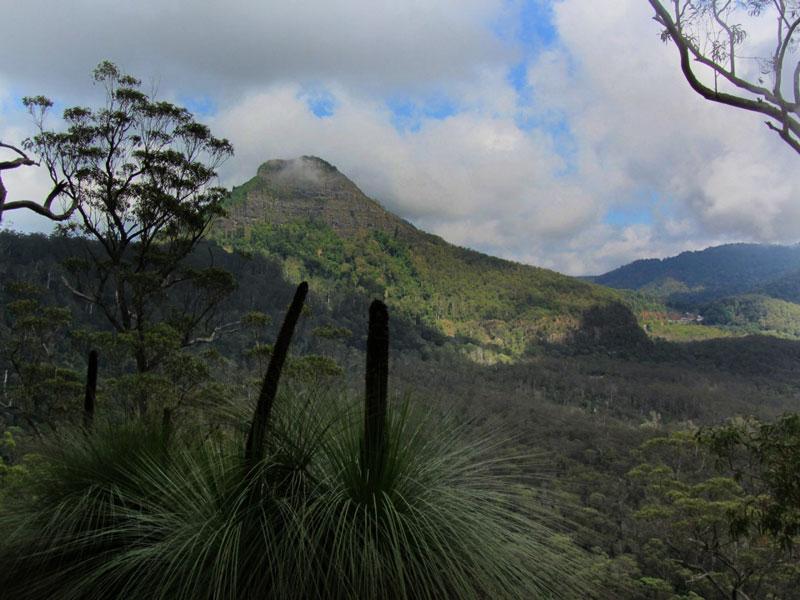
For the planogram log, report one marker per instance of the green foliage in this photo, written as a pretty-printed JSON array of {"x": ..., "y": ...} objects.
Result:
[
  {"x": 313, "y": 368},
  {"x": 40, "y": 388},
  {"x": 612, "y": 328},
  {"x": 332, "y": 332},
  {"x": 126, "y": 512},
  {"x": 698, "y": 277},
  {"x": 13, "y": 467},
  {"x": 693, "y": 515},
  {"x": 457, "y": 291},
  {"x": 8, "y": 451},
  {"x": 317, "y": 504},
  {"x": 584, "y": 412},
  {"x": 442, "y": 520},
  {"x": 756, "y": 313},
  {"x": 744, "y": 288},
  {"x": 139, "y": 172},
  {"x": 255, "y": 319},
  {"x": 684, "y": 332},
  {"x": 764, "y": 458}
]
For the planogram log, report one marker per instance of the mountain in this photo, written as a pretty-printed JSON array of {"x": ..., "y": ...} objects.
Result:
[
  {"x": 752, "y": 288},
  {"x": 308, "y": 189},
  {"x": 311, "y": 216},
  {"x": 706, "y": 275}
]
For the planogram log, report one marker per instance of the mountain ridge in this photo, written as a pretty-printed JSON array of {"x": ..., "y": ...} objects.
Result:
[
  {"x": 740, "y": 265},
  {"x": 309, "y": 187},
  {"x": 307, "y": 213},
  {"x": 750, "y": 288}
]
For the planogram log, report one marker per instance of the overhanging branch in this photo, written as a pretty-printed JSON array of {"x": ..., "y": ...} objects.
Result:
[
  {"x": 44, "y": 208},
  {"x": 768, "y": 103}
]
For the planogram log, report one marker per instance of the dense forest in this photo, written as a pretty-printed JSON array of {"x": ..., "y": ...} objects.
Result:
[{"x": 617, "y": 433}]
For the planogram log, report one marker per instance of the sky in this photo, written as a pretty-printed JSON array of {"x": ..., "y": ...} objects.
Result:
[{"x": 559, "y": 133}]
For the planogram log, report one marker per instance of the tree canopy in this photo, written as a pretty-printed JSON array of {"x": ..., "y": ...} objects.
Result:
[{"x": 138, "y": 173}]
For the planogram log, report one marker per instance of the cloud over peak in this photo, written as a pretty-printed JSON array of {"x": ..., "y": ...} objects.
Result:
[{"x": 580, "y": 151}]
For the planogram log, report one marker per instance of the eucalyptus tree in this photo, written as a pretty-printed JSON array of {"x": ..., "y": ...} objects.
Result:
[
  {"x": 137, "y": 174},
  {"x": 723, "y": 62}
]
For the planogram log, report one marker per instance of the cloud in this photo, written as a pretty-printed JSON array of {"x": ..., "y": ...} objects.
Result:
[
  {"x": 637, "y": 132},
  {"x": 210, "y": 47},
  {"x": 601, "y": 123},
  {"x": 474, "y": 177},
  {"x": 639, "y": 128},
  {"x": 23, "y": 183}
]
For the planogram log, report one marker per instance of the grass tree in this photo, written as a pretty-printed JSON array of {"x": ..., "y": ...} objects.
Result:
[{"x": 335, "y": 502}]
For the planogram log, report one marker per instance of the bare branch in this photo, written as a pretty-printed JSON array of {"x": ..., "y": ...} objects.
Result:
[
  {"x": 77, "y": 293},
  {"x": 785, "y": 135},
  {"x": 780, "y": 57},
  {"x": 768, "y": 102},
  {"x": 218, "y": 330},
  {"x": 41, "y": 209},
  {"x": 23, "y": 159},
  {"x": 44, "y": 208}
]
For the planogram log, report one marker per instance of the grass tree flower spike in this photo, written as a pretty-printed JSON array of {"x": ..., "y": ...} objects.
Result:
[
  {"x": 91, "y": 391},
  {"x": 377, "y": 376},
  {"x": 254, "y": 449}
]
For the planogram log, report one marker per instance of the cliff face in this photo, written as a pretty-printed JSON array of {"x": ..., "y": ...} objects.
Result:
[{"x": 308, "y": 188}]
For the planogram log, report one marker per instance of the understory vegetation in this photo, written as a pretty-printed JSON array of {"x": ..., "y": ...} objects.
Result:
[
  {"x": 604, "y": 432},
  {"x": 454, "y": 291},
  {"x": 323, "y": 501}
]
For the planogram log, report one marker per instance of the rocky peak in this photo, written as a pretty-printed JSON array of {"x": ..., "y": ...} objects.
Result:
[
  {"x": 308, "y": 188},
  {"x": 307, "y": 176}
]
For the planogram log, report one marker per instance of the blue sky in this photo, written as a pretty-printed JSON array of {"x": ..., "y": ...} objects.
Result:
[{"x": 552, "y": 132}]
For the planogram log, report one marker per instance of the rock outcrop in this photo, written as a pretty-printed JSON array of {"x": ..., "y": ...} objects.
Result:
[{"x": 309, "y": 188}]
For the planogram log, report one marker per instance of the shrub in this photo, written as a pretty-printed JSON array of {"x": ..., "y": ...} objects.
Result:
[{"x": 322, "y": 500}]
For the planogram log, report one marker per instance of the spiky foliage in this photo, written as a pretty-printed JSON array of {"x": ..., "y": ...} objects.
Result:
[
  {"x": 443, "y": 520},
  {"x": 126, "y": 513},
  {"x": 78, "y": 510},
  {"x": 333, "y": 505}
]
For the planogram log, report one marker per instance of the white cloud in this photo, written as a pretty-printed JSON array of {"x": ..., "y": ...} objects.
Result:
[
  {"x": 211, "y": 47},
  {"x": 637, "y": 125},
  {"x": 476, "y": 178}
]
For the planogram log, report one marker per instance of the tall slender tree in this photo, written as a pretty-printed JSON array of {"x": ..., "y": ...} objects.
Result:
[{"x": 139, "y": 175}]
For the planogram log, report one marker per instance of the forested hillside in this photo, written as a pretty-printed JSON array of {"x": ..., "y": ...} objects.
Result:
[
  {"x": 313, "y": 219},
  {"x": 642, "y": 468},
  {"x": 284, "y": 391},
  {"x": 741, "y": 288},
  {"x": 607, "y": 413},
  {"x": 702, "y": 276}
]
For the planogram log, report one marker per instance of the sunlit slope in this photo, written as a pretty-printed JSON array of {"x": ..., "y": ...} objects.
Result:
[{"x": 324, "y": 228}]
